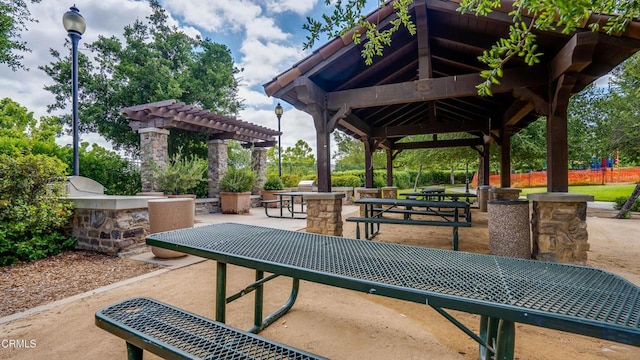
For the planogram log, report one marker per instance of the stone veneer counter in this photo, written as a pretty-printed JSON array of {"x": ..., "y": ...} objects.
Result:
[{"x": 110, "y": 224}]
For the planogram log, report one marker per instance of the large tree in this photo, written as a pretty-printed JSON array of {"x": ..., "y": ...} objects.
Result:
[
  {"x": 14, "y": 16},
  {"x": 156, "y": 62},
  {"x": 566, "y": 15}
]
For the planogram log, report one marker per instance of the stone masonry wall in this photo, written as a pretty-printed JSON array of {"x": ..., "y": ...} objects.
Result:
[
  {"x": 259, "y": 167},
  {"x": 110, "y": 231},
  {"x": 324, "y": 215},
  {"x": 218, "y": 158},
  {"x": 153, "y": 149},
  {"x": 560, "y": 231}
]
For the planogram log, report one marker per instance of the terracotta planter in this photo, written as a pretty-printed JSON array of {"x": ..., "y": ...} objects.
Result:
[
  {"x": 235, "y": 203},
  {"x": 169, "y": 214},
  {"x": 270, "y": 195}
]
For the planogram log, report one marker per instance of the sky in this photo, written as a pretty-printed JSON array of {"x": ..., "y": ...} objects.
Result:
[{"x": 265, "y": 38}]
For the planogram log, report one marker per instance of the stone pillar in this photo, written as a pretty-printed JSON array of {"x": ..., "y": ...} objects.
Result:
[
  {"x": 153, "y": 149},
  {"x": 390, "y": 192},
  {"x": 504, "y": 193},
  {"x": 559, "y": 224},
  {"x": 259, "y": 167},
  {"x": 367, "y": 193},
  {"x": 218, "y": 158},
  {"x": 324, "y": 213},
  {"x": 509, "y": 230},
  {"x": 483, "y": 196}
]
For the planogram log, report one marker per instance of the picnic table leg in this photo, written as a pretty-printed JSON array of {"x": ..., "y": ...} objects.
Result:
[
  {"x": 133, "y": 352},
  {"x": 488, "y": 333},
  {"x": 505, "y": 342},
  {"x": 281, "y": 311},
  {"x": 221, "y": 291},
  {"x": 258, "y": 300},
  {"x": 358, "y": 230}
]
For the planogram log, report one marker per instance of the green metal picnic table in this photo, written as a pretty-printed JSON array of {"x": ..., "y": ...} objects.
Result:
[{"x": 503, "y": 291}]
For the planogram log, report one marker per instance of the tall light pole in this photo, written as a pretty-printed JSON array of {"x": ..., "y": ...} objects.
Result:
[
  {"x": 279, "y": 111},
  {"x": 75, "y": 25}
]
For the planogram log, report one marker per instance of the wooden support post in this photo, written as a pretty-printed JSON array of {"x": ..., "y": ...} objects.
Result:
[
  {"x": 557, "y": 147},
  {"x": 368, "y": 162},
  {"x": 485, "y": 164},
  {"x": 389, "y": 168},
  {"x": 505, "y": 158}
]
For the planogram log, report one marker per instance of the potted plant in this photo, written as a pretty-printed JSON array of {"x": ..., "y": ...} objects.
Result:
[
  {"x": 236, "y": 185},
  {"x": 272, "y": 186}
]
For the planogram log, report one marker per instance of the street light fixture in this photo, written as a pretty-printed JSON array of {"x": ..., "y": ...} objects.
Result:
[
  {"x": 279, "y": 111},
  {"x": 75, "y": 25}
]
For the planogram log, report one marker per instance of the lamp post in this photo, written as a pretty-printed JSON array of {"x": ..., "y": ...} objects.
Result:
[
  {"x": 75, "y": 25},
  {"x": 279, "y": 111}
]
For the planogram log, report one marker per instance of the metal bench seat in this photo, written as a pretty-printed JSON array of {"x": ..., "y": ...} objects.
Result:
[
  {"x": 170, "y": 332},
  {"x": 380, "y": 220}
]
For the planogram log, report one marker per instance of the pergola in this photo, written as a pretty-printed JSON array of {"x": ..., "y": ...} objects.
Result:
[
  {"x": 426, "y": 84},
  {"x": 153, "y": 120},
  {"x": 173, "y": 114}
]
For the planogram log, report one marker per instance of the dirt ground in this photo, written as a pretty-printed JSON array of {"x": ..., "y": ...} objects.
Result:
[{"x": 332, "y": 322}]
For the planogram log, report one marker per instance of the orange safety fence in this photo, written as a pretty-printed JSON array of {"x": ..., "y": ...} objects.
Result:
[{"x": 629, "y": 175}]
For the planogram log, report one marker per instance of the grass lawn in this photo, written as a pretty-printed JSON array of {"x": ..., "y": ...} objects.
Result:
[{"x": 599, "y": 192}]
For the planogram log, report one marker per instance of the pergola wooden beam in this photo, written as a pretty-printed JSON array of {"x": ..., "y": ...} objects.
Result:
[
  {"x": 437, "y": 144},
  {"x": 427, "y": 128},
  {"x": 576, "y": 55},
  {"x": 173, "y": 114},
  {"x": 432, "y": 89}
]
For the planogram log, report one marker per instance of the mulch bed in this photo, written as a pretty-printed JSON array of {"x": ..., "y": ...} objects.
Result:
[{"x": 27, "y": 285}]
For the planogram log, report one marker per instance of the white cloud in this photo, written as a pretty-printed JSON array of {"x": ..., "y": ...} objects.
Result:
[
  {"x": 215, "y": 16},
  {"x": 263, "y": 61},
  {"x": 253, "y": 98},
  {"x": 297, "y": 6},
  {"x": 265, "y": 29}
]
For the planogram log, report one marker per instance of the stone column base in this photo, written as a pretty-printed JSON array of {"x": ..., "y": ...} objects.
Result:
[
  {"x": 367, "y": 193},
  {"x": 324, "y": 213},
  {"x": 559, "y": 224},
  {"x": 483, "y": 196},
  {"x": 504, "y": 193}
]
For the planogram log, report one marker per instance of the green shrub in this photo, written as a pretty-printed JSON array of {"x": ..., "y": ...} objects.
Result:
[
  {"x": 290, "y": 180},
  {"x": 237, "y": 180},
  {"x": 118, "y": 176},
  {"x": 181, "y": 175},
  {"x": 345, "y": 181},
  {"x": 620, "y": 202},
  {"x": 273, "y": 183},
  {"x": 310, "y": 177},
  {"x": 33, "y": 212}
]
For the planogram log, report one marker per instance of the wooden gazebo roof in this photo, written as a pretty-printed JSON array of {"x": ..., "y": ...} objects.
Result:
[
  {"x": 173, "y": 114},
  {"x": 425, "y": 84}
]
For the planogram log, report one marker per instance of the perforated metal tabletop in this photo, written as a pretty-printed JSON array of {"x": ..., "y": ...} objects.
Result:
[{"x": 578, "y": 299}]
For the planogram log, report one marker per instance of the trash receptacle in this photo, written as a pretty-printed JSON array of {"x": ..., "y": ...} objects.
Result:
[{"x": 509, "y": 228}]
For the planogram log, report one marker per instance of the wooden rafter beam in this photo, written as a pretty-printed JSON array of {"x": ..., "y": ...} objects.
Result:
[
  {"x": 576, "y": 55},
  {"x": 518, "y": 110},
  {"x": 437, "y": 144},
  {"x": 540, "y": 105},
  {"x": 432, "y": 89},
  {"x": 427, "y": 128}
]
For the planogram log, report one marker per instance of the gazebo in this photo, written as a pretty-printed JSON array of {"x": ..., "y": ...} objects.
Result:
[
  {"x": 426, "y": 84},
  {"x": 153, "y": 120}
]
